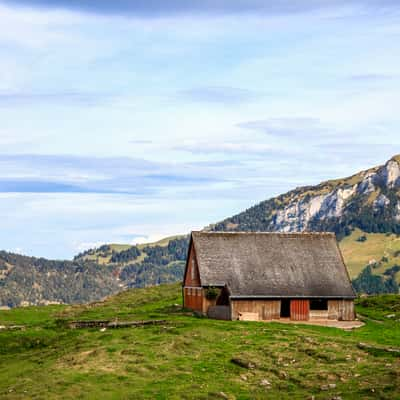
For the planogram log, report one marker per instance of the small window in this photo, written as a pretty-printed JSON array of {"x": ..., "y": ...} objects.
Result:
[{"x": 319, "y": 304}]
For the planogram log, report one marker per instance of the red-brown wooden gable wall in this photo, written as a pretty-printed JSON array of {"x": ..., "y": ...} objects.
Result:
[{"x": 192, "y": 277}]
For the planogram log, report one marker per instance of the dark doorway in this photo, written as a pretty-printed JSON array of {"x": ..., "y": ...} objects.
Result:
[
  {"x": 285, "y": 308},
  {"x": 319, "y": 304},
  {"x": 223, "y": 298}
]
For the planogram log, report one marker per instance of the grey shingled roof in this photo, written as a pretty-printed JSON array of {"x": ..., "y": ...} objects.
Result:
[{"x": 272, "y": 264}]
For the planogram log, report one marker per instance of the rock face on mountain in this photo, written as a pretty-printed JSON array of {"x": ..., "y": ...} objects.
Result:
[{"x": 369, "y": 200}]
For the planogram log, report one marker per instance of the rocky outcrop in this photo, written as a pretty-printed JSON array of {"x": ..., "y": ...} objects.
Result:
[
  {"x": 370, "y": 192},
  {"x": 390, "y": 174}
]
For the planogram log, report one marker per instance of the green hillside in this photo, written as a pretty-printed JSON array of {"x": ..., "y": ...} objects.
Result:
[
  {"x": 194, "y": 358},
  {"x": 378, "y": 249},
  {"x": 91, "y": 275},
  {"x": 103, "y": 254}
]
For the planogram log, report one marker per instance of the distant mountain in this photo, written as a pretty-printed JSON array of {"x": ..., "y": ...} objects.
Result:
[
  {"x": 368, "y": 200},
  {"x": 29, "y": 280},
  {"x": 363, "y": 210}
]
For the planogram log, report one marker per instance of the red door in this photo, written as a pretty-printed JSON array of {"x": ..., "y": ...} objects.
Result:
[{"x": 299, "y": 310}]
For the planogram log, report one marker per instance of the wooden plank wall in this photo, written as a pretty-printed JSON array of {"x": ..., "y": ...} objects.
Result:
[
  {"x": 208, "y": 303},
  {"x": 266, "y": 309},
  {"x": 193, "y": 298},
  {"x": 342, "y": 310},
  {"x": 299, "y": 310}
]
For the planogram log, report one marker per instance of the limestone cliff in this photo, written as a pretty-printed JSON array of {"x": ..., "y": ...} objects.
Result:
[{"x": 369, "y": 200}]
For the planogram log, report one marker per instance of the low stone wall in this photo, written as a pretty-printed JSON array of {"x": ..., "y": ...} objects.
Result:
[{"x": 113, "y": 324}]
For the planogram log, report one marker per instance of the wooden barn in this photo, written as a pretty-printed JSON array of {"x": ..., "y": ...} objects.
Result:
[{"x": 266, "y": 276}]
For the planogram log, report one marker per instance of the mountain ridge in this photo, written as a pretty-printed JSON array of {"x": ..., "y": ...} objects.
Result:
[
  {"x": 338, "y": 206},
  {"x": 364, "y": 208}
]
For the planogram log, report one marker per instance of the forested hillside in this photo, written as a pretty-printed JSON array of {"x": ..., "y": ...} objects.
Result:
[{"x": 92, "y": 275}]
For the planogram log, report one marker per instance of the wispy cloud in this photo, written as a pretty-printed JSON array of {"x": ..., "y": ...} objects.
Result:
[
  {"x": 366, "y": 78},
  {"x": 220, "y": 95},
  {"x": 241, "y": 148},
  {"x": 74, "y": 174},
  {"x": 161, "y": 7},
  {"x": 140, "y": 141},
  {"x": 289, "y": 127},
  {"x": 62, "y": 98},
  {"x": 35, "y": 186}
]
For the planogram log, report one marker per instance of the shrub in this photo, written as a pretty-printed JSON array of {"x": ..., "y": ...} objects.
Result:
[{"x": 212, "y": 293}]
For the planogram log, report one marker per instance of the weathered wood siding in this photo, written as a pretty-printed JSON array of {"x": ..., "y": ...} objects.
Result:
[
  {"x": 342, "y": 310},
  {"x": 266, "y": 309},
  {"x": 192, "y": 276},
  {"x": 299, "y": 310},
  {"x": 318, "y": 314},
  {"x": 193, "y": 298},
  {"x": 207, "y": 303}
]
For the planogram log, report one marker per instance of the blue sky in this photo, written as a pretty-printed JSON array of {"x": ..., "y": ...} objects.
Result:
[{"x": 128, "y": 121}]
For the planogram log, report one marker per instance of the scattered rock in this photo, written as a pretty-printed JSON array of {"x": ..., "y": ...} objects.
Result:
[
  {"x": 103, "y": 329},
  {"x": 243, "y": 363},
  {"x": 390, "y": 316},
  {"x": 12, "y": 327},
  {"x": 283, "y": 374},
  {"x": 265, "y": 382},
  {"x": 243, "y": 377},
  {"x": 332, "y": 385},
  {"x": 336, "y": 398},
  {"x": 329, "y": 386},
  {"x": 223, "y": 395},
  {"x": 368, "y": 347}
]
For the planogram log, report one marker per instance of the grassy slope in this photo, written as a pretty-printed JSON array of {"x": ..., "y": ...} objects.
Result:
[
  {"x": 97, "y": 257},
  {"x": 189, "y": 358},
  {"x": 358, "y": 254}
]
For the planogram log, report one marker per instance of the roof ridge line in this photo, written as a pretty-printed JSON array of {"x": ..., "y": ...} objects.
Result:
[{"x": 264, "y": 233}]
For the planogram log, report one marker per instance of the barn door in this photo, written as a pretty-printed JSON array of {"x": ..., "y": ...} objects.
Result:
[{"x": 299, "y": 310}]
